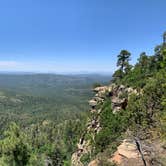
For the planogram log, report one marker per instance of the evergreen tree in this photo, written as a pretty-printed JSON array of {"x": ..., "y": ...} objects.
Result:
[{"x": 123, "y": 59}]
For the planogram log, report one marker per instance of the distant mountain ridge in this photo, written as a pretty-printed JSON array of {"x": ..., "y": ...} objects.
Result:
[{"x": 40, "y": 84}]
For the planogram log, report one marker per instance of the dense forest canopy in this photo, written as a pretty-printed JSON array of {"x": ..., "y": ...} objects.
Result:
[{"x": 43, "y": 115}]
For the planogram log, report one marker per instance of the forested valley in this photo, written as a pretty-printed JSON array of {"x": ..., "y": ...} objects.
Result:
[
  {"x": 42, "y": 116},
  {"x": 45, "y": 119}
]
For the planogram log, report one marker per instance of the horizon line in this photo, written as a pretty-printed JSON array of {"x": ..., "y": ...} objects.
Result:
[{"x": 58, "y": 73}]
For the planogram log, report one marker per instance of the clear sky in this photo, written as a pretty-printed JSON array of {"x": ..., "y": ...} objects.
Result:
[{"x": 76, "y": 35}]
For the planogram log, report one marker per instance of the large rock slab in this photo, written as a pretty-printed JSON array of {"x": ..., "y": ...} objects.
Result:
[
  {"x": 127, "y": 154},
  {"x": 128, "y": 149}
]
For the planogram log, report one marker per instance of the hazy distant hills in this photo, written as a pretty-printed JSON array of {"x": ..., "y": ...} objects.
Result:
[
  {"x": 29, "y": 98},
  {"x": 49, "y": 84}
]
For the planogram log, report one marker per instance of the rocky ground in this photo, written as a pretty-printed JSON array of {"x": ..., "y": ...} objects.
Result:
[{"x": 132, "y": 151}]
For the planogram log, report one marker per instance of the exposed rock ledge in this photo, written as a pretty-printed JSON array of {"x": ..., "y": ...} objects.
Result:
[
  {"x": 128, "y": 153},
  {"x": 115, "y": 93}
]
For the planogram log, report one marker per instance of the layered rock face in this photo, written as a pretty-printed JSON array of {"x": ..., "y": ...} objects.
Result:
[
  {"x": 115, "y": 93},
  {"x": 118, "y": 96},
  {"x": 131, "y": 152}
]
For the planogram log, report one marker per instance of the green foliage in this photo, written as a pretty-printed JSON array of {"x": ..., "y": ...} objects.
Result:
[
  {"x": 137, "y": 114},
  {"x": 123, "y": 63},
  {"x": 85, "y": 159},
  {"x": 163, "y": 62},
  {"x": 112, "y": 127},
  {"x": 37, "y": 143},
  {"x": 96, "y": 84},
  {"x": 145, "y": 115},
  {"x": 123, "y": 59},
  {"x": 146, "y": 110},
  {"x": 27, "y": 99},
  {"x": 118, "y": 74},
  {"x": 14, "y": 147},
  {"x": 50, "y": 114}
]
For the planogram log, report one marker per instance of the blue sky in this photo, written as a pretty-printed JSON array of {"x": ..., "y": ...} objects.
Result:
[{"x": 76, "y": 35}]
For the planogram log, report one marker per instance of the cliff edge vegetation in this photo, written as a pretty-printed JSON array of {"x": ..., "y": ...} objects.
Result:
[{"x": 127, "y": 124}]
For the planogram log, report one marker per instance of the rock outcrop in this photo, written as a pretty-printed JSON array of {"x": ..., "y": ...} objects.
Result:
[
  {"x": 128, "y": 153},
  {"x": 118, "y": 96},
  {"x": 131, "y": 151}
]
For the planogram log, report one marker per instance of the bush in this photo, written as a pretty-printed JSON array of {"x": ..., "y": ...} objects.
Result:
[{"x": 113, "y": 125}]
